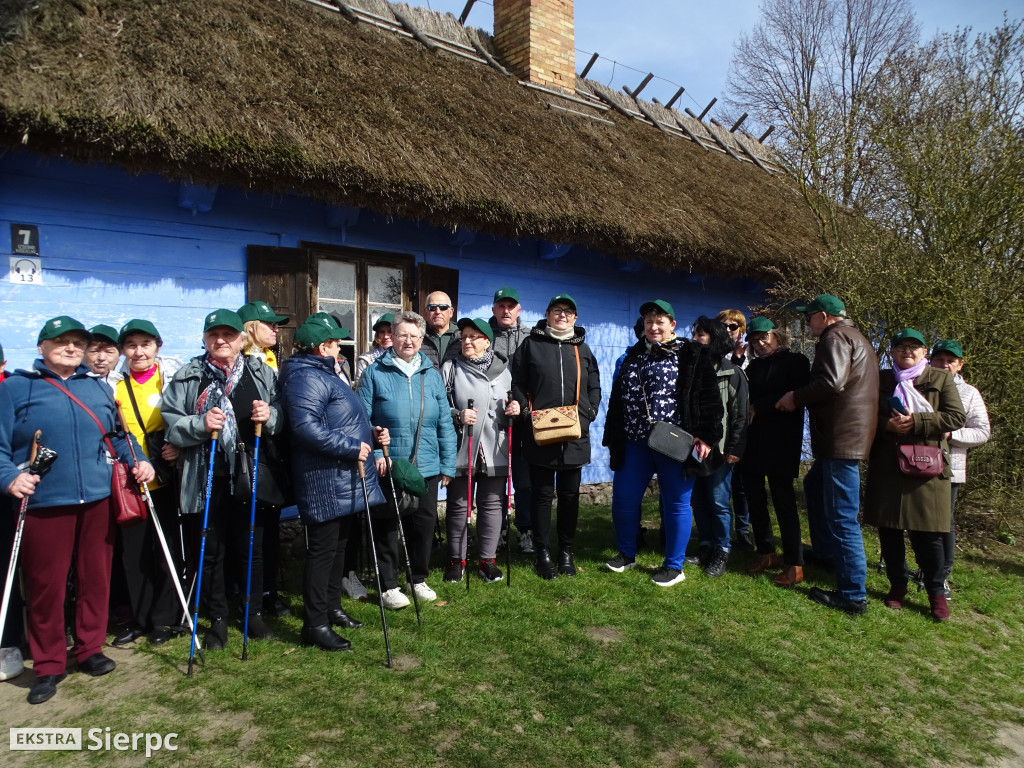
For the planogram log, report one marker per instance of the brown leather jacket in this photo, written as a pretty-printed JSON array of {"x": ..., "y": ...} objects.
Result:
[{"x": 842, "y": 397}]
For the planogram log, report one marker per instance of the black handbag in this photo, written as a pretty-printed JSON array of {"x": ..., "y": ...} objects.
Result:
[
  {"x": 667, "y": 439},
  {"x": 268, "y": 489}
]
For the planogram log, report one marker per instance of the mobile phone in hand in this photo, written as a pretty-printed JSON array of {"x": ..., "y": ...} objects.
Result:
[{"x": 896, "y": 405}]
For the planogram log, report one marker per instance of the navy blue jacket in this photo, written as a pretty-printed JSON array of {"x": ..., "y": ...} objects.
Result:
[
  {"x": 81, "y": 474},
  {"x": 328, "y": 422}
]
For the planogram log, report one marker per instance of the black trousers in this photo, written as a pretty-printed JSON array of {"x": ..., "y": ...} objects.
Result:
[
  {"x": 228, "y": 527},
  {"x": 545, "y": 480},
  {"x": 784, "y": 500},
  {"x": 324, "y": 569},
  {"x": 928, "y": 549},
  {"x": 949, "y": 539},
  {"x": 151, "y": 592},
  {"x": 418, "y": 524},
  {"x": 271, "y": 546}
]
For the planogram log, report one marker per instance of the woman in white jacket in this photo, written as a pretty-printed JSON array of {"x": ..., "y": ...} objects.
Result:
[{"x": 949, "y": 355}]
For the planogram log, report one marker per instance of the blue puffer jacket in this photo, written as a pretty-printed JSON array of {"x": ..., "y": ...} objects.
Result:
[
  {"x": 81, "y": 473},
  {"x": 393, "y": 401},
  {"x": 327, "y": 425}
]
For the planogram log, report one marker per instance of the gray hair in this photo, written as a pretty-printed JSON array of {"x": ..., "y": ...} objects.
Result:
[{"x": 411, "y": 318}]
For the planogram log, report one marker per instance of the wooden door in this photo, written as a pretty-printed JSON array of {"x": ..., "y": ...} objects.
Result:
[
  {"x": 430, "y": 278},
  {"x": 281, "y": 277}
]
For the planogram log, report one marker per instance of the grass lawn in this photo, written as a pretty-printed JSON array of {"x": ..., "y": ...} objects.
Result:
[{"x": 601, "y": 670}]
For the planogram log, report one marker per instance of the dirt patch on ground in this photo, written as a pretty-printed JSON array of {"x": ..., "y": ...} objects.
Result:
[{"x": 605, "y": 634}]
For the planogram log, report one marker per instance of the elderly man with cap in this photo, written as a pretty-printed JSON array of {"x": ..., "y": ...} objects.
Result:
[
  {"x": 842, "y": 400},
  {"x": 102, "y": 353},
  {"x": 69, "y": 510},
  {"x": 948, "y": 354},
  {"x": 381, "y": 344},
  {"x": 229, "y": 393},
  {"x": 508, "y": 335},
  {"x": 664, "y": 378},
  {"x": 441, "y": 341},
  {"x": 260, "y": 323}
]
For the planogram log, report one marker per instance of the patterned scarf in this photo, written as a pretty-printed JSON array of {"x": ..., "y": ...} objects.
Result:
[
  {"x": 913, "y": 400},
  {"x": 663, "y": 349},
  {"x": 484, "y": 362},
  {"x": 217, "y": 395}
]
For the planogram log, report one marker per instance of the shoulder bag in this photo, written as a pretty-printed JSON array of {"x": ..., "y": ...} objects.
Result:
[
  {"x": 920, "y": 460},
  {"x": 125, "y": 497},
  {"x": 560, "y": 424},
  {"x": 666, "y": 438},
  {"x": 407, "y": 501}
]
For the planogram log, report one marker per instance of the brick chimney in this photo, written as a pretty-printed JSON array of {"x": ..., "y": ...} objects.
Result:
[{"x": 536, "y": 39}]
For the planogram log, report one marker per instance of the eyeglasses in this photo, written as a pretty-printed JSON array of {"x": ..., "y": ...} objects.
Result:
[
  {"x": 564, "y": 311},
  {"x": 435, "y": 307},
  {"x": 408, "y": 337},
  {"x": 732, "y": 327}
]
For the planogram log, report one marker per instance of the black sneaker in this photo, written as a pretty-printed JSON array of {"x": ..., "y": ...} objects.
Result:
[
  {"x": 620, "y": 563},
  {"x": 832, "y": 599},
  {"x": 716, "y": 564},
  {"x": 97, "y": 665},
  {"x": 453, "y": 573},
  {"x": 44, "y": 689},
  {"x": 701, "y": 559},
  {"x": 666, "y": 577},
  {"x": 489, "y": 571}
]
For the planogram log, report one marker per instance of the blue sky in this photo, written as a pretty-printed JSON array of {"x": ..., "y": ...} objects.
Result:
[{"x": 690, "y": 44}]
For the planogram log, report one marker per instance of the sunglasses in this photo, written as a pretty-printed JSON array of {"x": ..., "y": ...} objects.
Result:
[
  {"x": 732, "y": 327},
  {"x": 435, "y": 307}
]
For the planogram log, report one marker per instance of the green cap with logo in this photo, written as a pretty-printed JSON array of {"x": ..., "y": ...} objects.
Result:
[
  {"x": 563, "y": 298},
  {"x": 317, "y": 316},
  {"x": 827, "y": 303},
  {"x": 225, "y": 317},
  {"x": 104, "y": 333},
  {"x": 658, "y": 305},
  {"x": 317, "y": 330},
  {"x": 907, "y": 334},
  {"x": 260, "y": 310},
  {"x": 506, "y": 293},
  {"x": 61, "y": 324},
  {"x": 760, "y": 325},
  {"x": 481, "y": 325},
  {"x": 137, "y": 325},
  {"x": 386, "y": 319},
  {"x": 952, "y": 346}
]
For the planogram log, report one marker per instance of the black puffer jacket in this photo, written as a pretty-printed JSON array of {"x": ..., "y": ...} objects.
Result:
[
  {"x": 544, "y": 372},
  {"x": 775, "y": 438},
  {"x": 700, "y": 404}
]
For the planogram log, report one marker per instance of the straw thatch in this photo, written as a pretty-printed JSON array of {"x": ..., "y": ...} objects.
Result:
[{"x": 283, "y": 96}]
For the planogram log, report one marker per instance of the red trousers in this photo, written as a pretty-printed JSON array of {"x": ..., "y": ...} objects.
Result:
[{"x": 51, "y": 536}]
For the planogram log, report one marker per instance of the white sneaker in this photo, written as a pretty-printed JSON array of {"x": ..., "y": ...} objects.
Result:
[
  {"x": 423, "y": 592},
  {"x": 526, "y": 543},
  {"x": 353, "y": 587},
  {"x": 394, "y": 600},
  {"x": 11, "y": 663}
]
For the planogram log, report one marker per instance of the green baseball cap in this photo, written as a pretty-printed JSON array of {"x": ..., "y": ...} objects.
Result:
[
  {"x": 907, "y": 333},
  {"x": 316, "y": 316},
  {"x": 314, "y": 332},
  {"x": 57, "y": 326},
  {"x": 386, "y": 319},
  {"x": 658, "y": 305},
  {"x": 827, "y": 303},
  {"x": 223, "y": 317},
  {"x": 103, "y": 333},
  {"x": 565, "y": 298},
  {"x": 506, "y": 293},
  {"x": 481, "y": 325},
  {"x": 760, "y": 325},
  {"x": 260, "y": 310},
  {"x": 946, "y": 345},
  {"x": 137, "y": 326}
]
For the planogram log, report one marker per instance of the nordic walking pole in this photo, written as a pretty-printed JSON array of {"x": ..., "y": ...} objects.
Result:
[
  {"x": 401, "y": 535},
  {"x": 202, "y": 552},
  {"x": 508, "y": 501},
  {"x": 469, "y": 498},
  {"x": 40, "y": 461},
  {"x": 376, "y": 567},
  {"x": 252, "y": 529},
  {"x": 156, "y": 522}
]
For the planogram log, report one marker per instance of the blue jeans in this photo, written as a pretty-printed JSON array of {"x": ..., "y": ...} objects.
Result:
[
  {"x": 711, "y": 511},
  {"x": 628, "y": 487},
  {"x": 821, "y": 540},
  {"x": 522, "y": 487},
  {"x": 840, "y": 486},
  {"x": 740, "y": 505}
]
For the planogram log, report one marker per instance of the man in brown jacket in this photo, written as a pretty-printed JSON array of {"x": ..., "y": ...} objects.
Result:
[{"x": 842, "y": 399}]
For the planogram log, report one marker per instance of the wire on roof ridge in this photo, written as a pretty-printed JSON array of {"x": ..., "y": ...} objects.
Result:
[{"x": 615, "y": 64}]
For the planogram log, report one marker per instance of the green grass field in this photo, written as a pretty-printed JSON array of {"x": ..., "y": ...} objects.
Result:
[{"x": 608, "y": 670}]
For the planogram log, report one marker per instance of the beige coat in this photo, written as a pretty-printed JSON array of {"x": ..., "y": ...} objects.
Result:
[{"x": 895, "y": 500}]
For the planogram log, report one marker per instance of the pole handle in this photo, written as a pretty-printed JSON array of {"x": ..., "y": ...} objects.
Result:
[
  {"x": 362, "y": 469},
  {"x": 470, "y": 406},
  {"x": 214, "y": 434},
  {"x": 259, "y": 428},
  {"x": 37, "y": 440},
  {"x": 384, "y": 448}
]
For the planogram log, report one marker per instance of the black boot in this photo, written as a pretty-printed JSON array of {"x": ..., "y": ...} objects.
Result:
[
  {"x": 324, "y": 638},
  {"x": 216, "y": 636},
  {"x": 566, "y": 566},
  {"x": 544, "y": 567},
  {"x": 338, "y": 618},
  {"x": 258, "y": 629}
]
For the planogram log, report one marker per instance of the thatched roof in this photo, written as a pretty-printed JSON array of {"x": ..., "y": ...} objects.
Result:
[{"x": 285, "y": 96}]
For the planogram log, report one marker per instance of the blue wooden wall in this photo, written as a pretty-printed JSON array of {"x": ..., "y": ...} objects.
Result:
[{"x": 116, "y": 246}]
